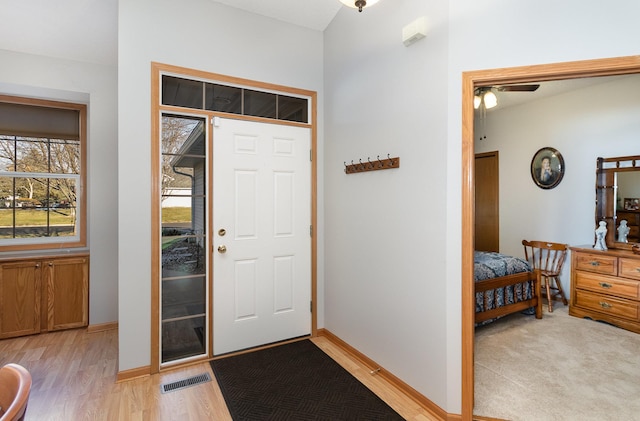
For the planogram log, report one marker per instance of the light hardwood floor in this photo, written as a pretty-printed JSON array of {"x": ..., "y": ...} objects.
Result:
[{"x": 74, "y": 378}]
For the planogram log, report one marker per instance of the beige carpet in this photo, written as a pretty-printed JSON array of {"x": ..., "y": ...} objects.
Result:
[{"x": 557, "y": 368}]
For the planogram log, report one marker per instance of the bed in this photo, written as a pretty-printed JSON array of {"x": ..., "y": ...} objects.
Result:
[{"x": 504, "y": 285}]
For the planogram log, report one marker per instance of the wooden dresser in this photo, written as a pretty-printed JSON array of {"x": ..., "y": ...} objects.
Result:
[{"x": 605, "y": 285}]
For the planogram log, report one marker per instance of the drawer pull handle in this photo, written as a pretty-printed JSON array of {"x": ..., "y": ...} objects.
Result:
[
  {"x": 605, "y": 285},
  {"x": 605, "y": 304},
  {"x": 595, "y": 263}
]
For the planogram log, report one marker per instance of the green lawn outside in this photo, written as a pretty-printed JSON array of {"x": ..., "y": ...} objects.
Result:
[
  {"x": 28, "y": 217},
  {"x": 35, "y": 217},
  {"x": 176, "y": 215}
]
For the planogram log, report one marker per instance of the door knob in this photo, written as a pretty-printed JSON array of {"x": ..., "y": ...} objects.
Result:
[{"x": 222, "y": 249}]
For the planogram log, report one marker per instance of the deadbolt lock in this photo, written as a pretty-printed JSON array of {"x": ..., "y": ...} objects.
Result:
[{"x": 222, "y": 232}]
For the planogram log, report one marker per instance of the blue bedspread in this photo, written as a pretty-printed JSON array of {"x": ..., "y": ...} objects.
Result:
[{"x": 488, "y": 265}]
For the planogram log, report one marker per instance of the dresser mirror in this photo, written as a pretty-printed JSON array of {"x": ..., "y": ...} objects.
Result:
[{"x": 618, "y": 198}]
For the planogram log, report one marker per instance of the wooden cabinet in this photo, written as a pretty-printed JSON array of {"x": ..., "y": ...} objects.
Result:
[
  {"x": 20, "y": 298},
  {"x": 44, "y": 294},
  {"x": 605, "y": 285}
]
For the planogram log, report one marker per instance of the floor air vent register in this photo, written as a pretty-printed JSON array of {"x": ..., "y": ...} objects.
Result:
[{"x": 182, "y": 384}]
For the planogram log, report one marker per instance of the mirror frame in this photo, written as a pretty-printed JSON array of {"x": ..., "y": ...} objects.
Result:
[{"x": 606, "y": 189}]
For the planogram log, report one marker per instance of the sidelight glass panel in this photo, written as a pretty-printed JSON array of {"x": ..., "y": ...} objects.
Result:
[
  {"x": 184, "y": 241},
  {"x": 183, "y": 338}
]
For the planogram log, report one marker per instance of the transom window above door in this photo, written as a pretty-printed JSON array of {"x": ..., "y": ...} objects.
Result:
[{"x": 181, "y": 92}]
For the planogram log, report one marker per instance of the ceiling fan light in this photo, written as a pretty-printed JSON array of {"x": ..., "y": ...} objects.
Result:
[
  {"x": 476, "y": 101},
  {"x": 490, "y": 100},
  {"x": 359, "y": 4}
]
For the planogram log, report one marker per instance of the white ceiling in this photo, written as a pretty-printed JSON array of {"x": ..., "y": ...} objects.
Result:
[
  {"x": 551, "y": 88},
  {"x": 313, "y": 14}
]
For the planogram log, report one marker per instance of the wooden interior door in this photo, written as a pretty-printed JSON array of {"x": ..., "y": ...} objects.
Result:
[{"x": 487, "y": 202}]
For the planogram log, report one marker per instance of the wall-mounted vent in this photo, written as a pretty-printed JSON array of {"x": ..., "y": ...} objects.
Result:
[{"x": 181, "y": 384}]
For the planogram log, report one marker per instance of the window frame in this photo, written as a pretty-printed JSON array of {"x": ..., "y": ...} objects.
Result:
[{"x": 80, "y": 239}]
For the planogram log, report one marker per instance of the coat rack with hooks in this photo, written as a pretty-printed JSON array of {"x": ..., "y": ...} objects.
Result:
[{"x": 369, "y": 165}]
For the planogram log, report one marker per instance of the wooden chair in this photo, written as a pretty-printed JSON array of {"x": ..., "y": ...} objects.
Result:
[
  {"x": 15, "y": 386},
  {"x": 548, "y": 258}
]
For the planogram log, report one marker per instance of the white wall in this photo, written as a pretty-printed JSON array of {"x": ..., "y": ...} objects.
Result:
[
  {"x": 385, "y": 235},
  {"x": 93, "y": 84},
  {"x": 202, "y": 35},
  {"x": 600, "y": 121},
  {"x": 393, "y": 251}
]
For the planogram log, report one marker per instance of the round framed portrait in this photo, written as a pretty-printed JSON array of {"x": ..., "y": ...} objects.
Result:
[{"x": 547, "y": 168}]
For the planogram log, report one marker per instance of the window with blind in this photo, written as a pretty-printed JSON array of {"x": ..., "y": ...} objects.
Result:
[{"x": 42, "y": 174}]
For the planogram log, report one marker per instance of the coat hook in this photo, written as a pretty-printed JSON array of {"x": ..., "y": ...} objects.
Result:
[
  {"x": 346, "y": 168},
  {"x": 370, "y": 163},
  {"x": 361, "y": 164},
  {"x": 381, "y": 163},
  {"x": 391, "y": 161}
]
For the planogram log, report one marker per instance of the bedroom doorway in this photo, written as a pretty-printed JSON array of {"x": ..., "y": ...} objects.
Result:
[{"x": 471, "y": 80}]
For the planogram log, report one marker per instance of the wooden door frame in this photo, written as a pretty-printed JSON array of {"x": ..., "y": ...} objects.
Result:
[
  {"x": 157, "y": 69},
  {"x": 471, "y": 80}
]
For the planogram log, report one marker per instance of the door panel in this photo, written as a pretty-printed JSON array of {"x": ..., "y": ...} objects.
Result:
[
  {"x": 487, "y": 206},
  {"x": 262, "y": 201}
]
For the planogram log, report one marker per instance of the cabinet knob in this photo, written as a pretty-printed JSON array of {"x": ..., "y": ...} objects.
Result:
[
  {"x": 605, "y": 285},
  {"x": 50, "y": 263},
  {"x": 604, "y": 304},
  {"x": 595, "y": 263}
]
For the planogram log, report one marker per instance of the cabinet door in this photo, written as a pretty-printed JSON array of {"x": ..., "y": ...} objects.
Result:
[
  {"x": 67, "y": 282},
  {"x": 20, "y": 297}
]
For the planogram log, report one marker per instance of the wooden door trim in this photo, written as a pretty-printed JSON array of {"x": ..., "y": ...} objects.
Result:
[
  {"x": 157, "y": 69},
  {"x": 470, "y": 80}
]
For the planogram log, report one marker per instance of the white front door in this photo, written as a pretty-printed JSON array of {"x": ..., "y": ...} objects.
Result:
[{"x": 261, "y": 238}]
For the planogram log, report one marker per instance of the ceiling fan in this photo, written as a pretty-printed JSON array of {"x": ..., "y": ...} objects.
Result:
[{"x": 485, "y": 95}]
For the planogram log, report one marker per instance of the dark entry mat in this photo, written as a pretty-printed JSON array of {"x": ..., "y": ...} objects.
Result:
[{"x": 296, "y": 381}]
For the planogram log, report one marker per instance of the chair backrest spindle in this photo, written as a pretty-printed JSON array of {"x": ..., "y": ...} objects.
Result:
[{"x": 546, "y": 256}]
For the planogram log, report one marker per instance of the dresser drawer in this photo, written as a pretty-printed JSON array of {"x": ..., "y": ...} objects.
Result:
[
  {"x": 607, "y": 265},
  {"x": 607, "y": 305},
  {"x": 629, "y": 268},
  {"x": 606, "y": 285}
]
